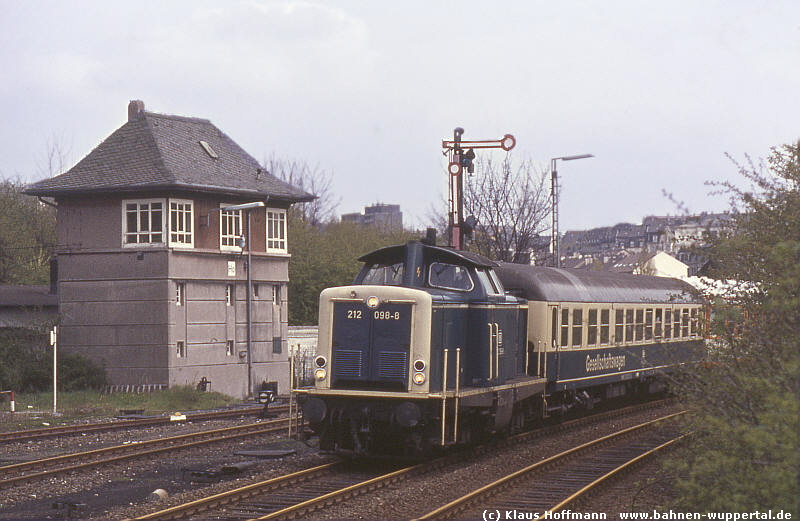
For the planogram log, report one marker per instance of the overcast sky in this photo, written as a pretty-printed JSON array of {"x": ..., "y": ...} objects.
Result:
[{"x": 657, "y": 91}]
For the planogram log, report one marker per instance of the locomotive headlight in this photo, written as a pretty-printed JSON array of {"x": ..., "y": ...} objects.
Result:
[
  {"x": 320, "y": 361},
  {"x": 372, "y": 302},
  {"x": 419, "y": 378},
  {"x": 320, "y": 374},
  {"x": 419, "y": 365}
]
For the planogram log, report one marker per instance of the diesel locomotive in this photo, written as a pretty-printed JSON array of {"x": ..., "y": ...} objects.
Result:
[{"x": 432, "y": 346}]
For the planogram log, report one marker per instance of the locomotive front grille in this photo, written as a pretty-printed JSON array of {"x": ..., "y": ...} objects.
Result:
[
  {"x": 393, "y": 364},
  {"x": 348, "y": 364},
  {"x": 370, "y": 346}
]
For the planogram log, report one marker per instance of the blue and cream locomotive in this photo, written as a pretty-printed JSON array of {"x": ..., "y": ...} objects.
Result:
[{"x": 432, "y": 346}]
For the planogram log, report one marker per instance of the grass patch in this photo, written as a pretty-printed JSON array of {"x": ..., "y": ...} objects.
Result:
[{"x": 34, "y": 409}]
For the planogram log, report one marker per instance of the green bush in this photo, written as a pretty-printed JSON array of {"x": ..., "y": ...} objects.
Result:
[{"x": 27, "y": 365}]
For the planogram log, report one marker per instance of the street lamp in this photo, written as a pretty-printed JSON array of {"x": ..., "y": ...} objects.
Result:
[
  {"x": 247, "y": 207},
  {"x": 554, "y": 199}
]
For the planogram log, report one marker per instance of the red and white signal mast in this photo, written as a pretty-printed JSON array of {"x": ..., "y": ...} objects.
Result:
[{"x": 462, "y": 154}]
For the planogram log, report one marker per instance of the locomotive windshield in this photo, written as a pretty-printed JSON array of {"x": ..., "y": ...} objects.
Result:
[
  {"x": 450, "y": 276},
  {"x": 384, "y": 275}
]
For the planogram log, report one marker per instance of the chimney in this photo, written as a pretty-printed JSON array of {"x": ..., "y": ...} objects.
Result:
[{"x": 135, "y": 109}]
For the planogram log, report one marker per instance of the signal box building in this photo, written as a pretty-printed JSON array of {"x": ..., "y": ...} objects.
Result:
[{"x": 152, "y": 272}]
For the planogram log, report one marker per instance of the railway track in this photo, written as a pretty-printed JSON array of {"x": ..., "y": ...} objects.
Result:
[
  {"x": 293, "y": 495},
  {"x": 47, "y": 467},
  {"x": 32, "y": 434},
  {"x": 296, "y": 495},
  {"x": 557, "y": 482}
]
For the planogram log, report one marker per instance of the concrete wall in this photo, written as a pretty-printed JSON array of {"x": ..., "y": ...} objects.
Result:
[
  {"x": 118, "y": 305},
  {"x": 114, "y": 310}
]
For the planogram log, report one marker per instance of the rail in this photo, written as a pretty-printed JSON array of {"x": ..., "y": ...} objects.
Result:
[{"x": 483, "y": 494}]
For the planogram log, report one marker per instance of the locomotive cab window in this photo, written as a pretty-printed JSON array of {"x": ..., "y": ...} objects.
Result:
[
  {"x": 449, "y": 276},
  {"x": 489, "y": 283},
  {"x": 384, "y": 275}
]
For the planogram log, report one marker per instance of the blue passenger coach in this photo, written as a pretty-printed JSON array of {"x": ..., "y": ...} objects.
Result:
[{"x": 431, "y": 346}]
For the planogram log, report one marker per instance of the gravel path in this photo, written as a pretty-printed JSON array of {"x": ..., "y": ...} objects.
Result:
[{"x": 113, "y": 488}]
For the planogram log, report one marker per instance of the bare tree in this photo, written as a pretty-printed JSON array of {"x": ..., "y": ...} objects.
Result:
[
  {"x": 313, "y": 180},
  {"x": 511, "y": 203},
  {"x": 55, "y": 159}
]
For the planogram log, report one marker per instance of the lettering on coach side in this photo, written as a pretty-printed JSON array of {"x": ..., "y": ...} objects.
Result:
[{"x": 604, "y": 362}]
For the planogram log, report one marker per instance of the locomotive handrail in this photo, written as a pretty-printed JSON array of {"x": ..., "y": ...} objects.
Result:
[
  {"x": 444, "y": 395},
  {"x": 455, "y": 398}
]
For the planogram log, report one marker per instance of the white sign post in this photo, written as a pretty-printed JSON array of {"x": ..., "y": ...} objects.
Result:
[{"x": 54, "y": 343}]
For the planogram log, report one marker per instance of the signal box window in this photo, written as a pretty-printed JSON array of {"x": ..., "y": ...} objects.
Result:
[
  {"x": 230, "y": 229},
  {"x": 384, "y": 275},
  {"x": 180, "y": 223},
  {"x": 276, "y": 231},
  {"x": 143, "y": 222},
  {"x": 449, "y": 276},
  {"x": 180, "y": 293}
]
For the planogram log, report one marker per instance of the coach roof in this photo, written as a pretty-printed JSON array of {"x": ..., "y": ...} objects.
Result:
[{"x": 572, "y": 285}]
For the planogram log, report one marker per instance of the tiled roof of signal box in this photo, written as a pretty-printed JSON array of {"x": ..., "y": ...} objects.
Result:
[{"x": 163, "y": 152}]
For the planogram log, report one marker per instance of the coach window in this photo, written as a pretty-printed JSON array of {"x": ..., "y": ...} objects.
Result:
[
  {"x": 685, "y": 322},
  {"x": 592, "y": 328},
  {"x": 667, "y": 324},
  {"x": 577, "y": 327},
  {"x": 629, "y": 325},
  {"x": 565, "y": 327},
  {"x": 659, "y": 322},
  {"x": 676, "y": 323},
  {"x": 648, "y": 324},
  {"x": 639, "y": 332},
  {"x": 619, "y": 326},
  {"x": 605, "y": 318}
]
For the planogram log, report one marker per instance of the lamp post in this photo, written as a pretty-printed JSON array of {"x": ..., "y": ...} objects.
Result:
[
  {"x": 554, "y": 198},
  {"x": 247, "y": 207}
]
